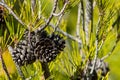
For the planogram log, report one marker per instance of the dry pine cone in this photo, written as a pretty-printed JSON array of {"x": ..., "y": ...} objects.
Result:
[{"x": 49, "y": 47}]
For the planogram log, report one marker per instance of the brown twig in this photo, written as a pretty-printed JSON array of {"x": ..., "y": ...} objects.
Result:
[
  {"x": 46, "y": 70},
  {"x": 50, "y": 18}
]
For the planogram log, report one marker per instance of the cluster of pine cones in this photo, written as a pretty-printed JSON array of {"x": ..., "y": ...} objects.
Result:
[{"x": 37, "y": 46}]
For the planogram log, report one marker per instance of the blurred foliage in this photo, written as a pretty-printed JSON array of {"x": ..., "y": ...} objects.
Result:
[{"x": 66, "y": 64}]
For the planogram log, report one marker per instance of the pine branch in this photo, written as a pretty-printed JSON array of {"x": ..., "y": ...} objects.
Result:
[
  {"x": 88, "y": 18},
  {"x": 95, "y": 58},
  {"x": 83, "y": 14},
  {"x": 78, "y": 21},
  {"x": 33, "y": 3},
  {"x": 96, "y": 51},
  {"x": 60, "y": 14},
  {"x": 78, "y": 27},
  {"x": 12, "y": 13},
  {"x": 58, "y": 22},
  {"x": 62, "y": 10},
  {"x": 50, "y": 18},
  {"x": 70, "y": 36}
]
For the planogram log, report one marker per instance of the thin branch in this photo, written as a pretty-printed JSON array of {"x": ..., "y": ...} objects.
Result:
[
  {"x": 95, "y": 58},
  {"x": 103, "y": 58},
  {"x": 58, "y": 22},
  {"x": 88, "y": 18},
  {"x": 3, "y": 65},
  {"x": 78, "y": 30},
  {"x": 101, "y": 45},
  {"x": 50, "y": 18},
  {"x": 39, "y": 9},
  {"x": 67, "y": 35},
  {"x": 62, "y": 10},
  {"x": 64, "y": 33},
  {"x": 70, "y": 36},
  {"x": 33, "y": 3},
  {"x": 97, "y": 34},
  {"x": 83, "y": 14},
  {"x": 60, "y": 14},
  {"x": 96, "y": 51},
  {"x": 20, "y": 72},
  {"x": 78, "y": 21},
  {"x": 11, "y": 12}
]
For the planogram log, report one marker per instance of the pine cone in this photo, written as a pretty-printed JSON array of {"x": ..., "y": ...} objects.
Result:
[
  {"x": 59, "y": 41},
  {"x": 31, "y": 38},
  {"x": 46, "y": 50},
  {"x": 42, "y": 34},
  {"x": 49, "y": 47},
  {"x": 23, "y": 53}
]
